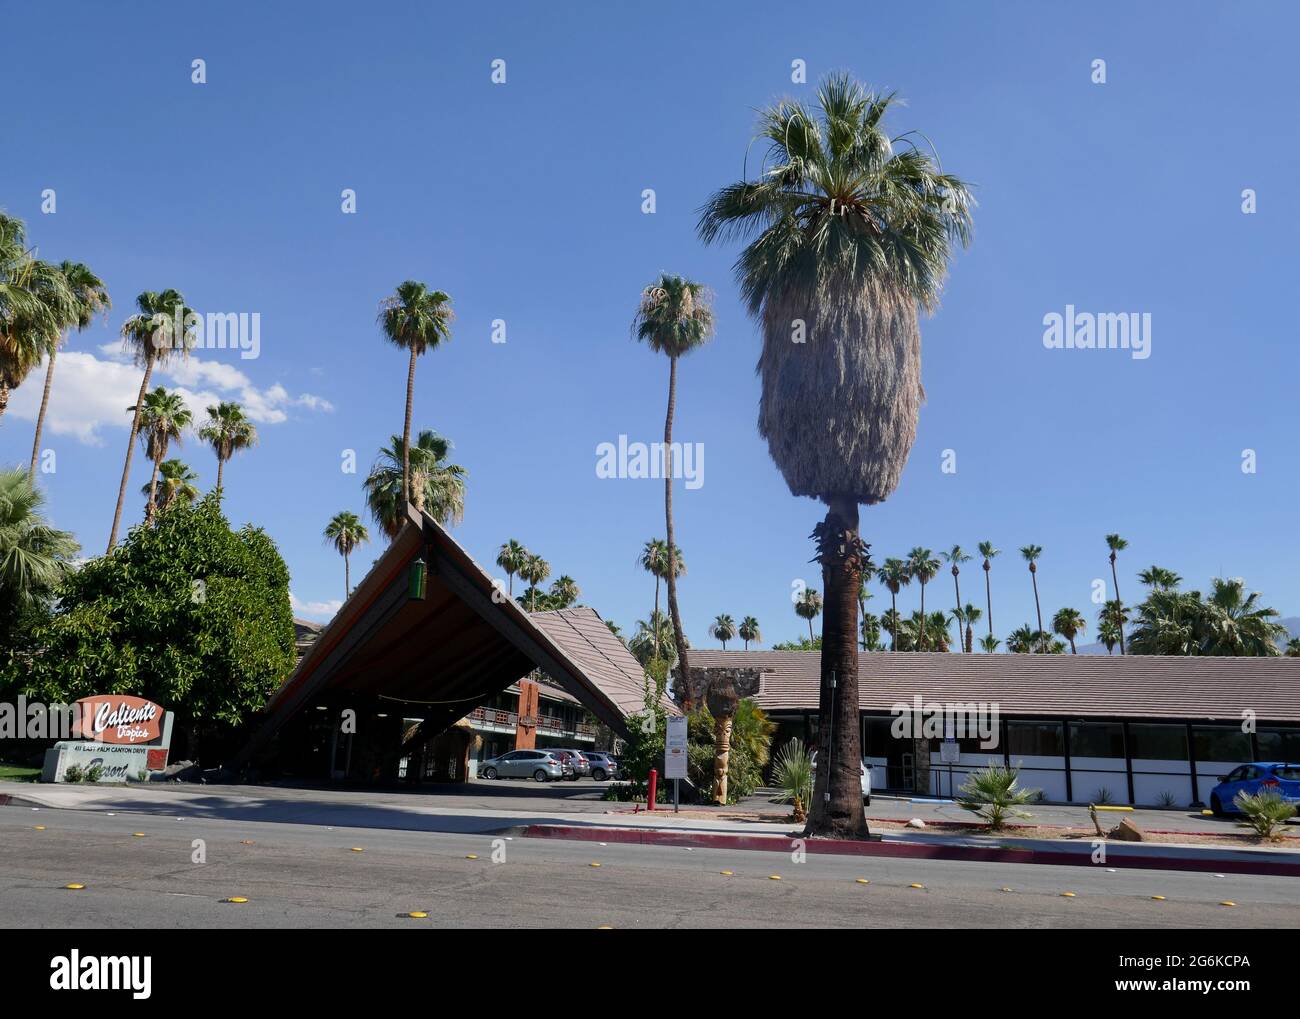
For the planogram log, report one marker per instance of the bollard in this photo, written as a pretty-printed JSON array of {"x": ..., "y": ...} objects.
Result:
[{"x": 654, "y": 788}]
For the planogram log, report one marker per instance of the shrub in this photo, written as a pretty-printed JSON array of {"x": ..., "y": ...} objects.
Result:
[
  {"x": 1265, "y": 811},
  {"x": 94, "y": 773},
  {"x": 1102, "y": 796},
  {"x": 793, "y": 775},
  {"x": 993, "y": 793},
  {"x": 1167, "y": 799},
  {"x": 73, "y": 773}
]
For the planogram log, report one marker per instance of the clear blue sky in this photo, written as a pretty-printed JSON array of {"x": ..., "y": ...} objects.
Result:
[{"x": 523, "y": 202}]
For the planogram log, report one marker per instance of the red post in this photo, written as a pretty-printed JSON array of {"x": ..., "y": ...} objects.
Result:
[{"x": 654, "y": 786}]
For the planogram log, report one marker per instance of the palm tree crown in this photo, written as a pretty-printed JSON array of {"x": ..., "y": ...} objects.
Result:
[
  {"x": 437, "y": 487},
  {"x": 34, "y": 557},
  {"x": 175, "y": 485},
  {"x": 724, "y": 629},
  {"x": 227, "y": 430},
  {"x": 511, "y": 557},
  {"x": 345, "y": 532},
  {"x": 163, "y": 417},
  {"x": 750, "y": 631}
]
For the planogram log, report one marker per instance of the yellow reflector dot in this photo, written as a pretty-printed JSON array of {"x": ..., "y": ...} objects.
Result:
[
  {"x": 1067, "y": 895},
  {"x": 358, "y": 849},
  {"x": 914, "y": 885},
  {"x": 246, "y": 842},
  {"x": 726, "y": 873},
  {"x": 593, "y": 865},
  {"x": 235, "y": 899},
  {"x": 39, "y": 827},
  {"x": 137, "y": 835},
  {"x": 74, "y": 888},
  {"x": 415, "y": 915},
  {"x": 774, "y": 877},
  {"x": 1227, "y": 903},
  {"x": 1158, "y": 898},
  {"x": 861, "y": 881},
  {"x": 471, "y": 856},
  {"x": 1005, "y": 889}
]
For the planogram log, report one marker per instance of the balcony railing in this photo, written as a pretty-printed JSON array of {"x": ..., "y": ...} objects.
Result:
[{"x": 547, "y": 724}]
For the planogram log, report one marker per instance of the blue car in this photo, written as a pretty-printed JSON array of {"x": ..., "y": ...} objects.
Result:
[{"x": 1254, "y": 778}]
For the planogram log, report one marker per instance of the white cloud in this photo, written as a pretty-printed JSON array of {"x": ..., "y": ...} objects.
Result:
[
  {"x": 315, "y": 610},
  {"x": 91, "y": 393}
]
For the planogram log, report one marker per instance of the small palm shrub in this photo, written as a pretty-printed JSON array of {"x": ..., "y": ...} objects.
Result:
[
  {"x": 1167, "y": 799},
  {"x": 994, "y": 794},
  {"x": 1264, "y": 811},
  {"x": 793, "y": 775},
  {"x": 1103, "y": 796}
]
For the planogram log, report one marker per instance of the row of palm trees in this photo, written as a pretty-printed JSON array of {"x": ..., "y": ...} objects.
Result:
[
  {"x": 724, "y": 628},
  {"x": 515, "y": 558}
]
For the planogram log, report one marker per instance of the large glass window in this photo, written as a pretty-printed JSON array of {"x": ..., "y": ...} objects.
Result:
[
  {"x": 1279, "y": 745},
  {"x": 1096, "y": 739},
  {"x": 1221, "y": 743},
  {"x": 1035, "y": 739},
  {"x": 877, "y": 739},
  {"x": 1157, "y": 742}
]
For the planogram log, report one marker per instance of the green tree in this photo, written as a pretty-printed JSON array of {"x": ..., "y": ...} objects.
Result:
[
  {"x": 88, "y": 297},
  {"x": 749, "y": 630},
  {"x": 535, "y": 570},
  {"x": 161, "y": 328},
  {"x": 922, "y": 564},
  {"x": 1116, "y": 544},
  {"x": 1108, "y": 634},
  {"x": 36, "y": 305},
  {"x": 416, "y": 319},
  {"x": 870, "y": 632},
  {"x": 808, "y": 606},
  {"x": 653, "y": 639},
  {"x": 175, "y": 486},
  {"x": 564, "y": 592},
  {"x": 1069, "y": 623},
  {"x": 228, "y": 431},
  {"x": 187, "y": 613},
  {"x": 345, "y": 532},
  {"x": 723, "y": 628},
  {"x": 35, "y": 558},
  {"x": 954, "y": 558},
  {"x": 1160, "y": 579},
  {"x": 994, "y": 794},
  {"x": 437, "y": 487},
  {"x": 895, "y": 574},
  {"x": 849, "y": 234},
  {"x": 989, "y": 643},
  {"x": 1031, "y": 554},
  {"x": 511, "y": 557},
  {"x": 970, "y": 615},
  {"x": 162, "y": 418},
  {"x": 654, "y": 560},
  {"x": 673, "y": 318},
  {"x": 988, "y": 552}
]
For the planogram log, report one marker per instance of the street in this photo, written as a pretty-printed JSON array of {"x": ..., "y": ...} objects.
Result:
[{"x": 309, "y": 875}]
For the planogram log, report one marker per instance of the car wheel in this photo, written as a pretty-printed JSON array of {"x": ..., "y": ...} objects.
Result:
[
  {"x": 539, "y": 775},
  {"x": 489, "y": 773},
  {"x": 573, "y": 777},
  {"x": 1216, "y": 806},
  {"x": 598, "y": 775}
]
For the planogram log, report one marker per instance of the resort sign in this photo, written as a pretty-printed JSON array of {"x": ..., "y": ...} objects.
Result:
[{"x": 114, "y": 718}]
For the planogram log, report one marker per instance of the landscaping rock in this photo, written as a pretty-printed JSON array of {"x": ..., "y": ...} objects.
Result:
[
  {"x": 916, "y": 822},
  {"x": 1127, "y": 831}
]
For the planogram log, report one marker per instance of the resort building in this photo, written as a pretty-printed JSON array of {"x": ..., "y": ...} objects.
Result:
[{"x": 1123, "y": 729}]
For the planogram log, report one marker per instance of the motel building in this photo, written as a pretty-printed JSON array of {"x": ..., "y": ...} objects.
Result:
[{"x": 1122, "y": 729}]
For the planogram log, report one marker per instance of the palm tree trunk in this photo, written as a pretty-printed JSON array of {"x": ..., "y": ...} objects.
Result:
[
  {"x": 4, "y": 395},
  {"x": 45, "y": 402},
  {"x": 655, "y": 618},
  {"x": 1073, "y": 650},
  {"x": 957, "y": 588},
  {"x": 221, "y": 467},
  {"x": 152, "y": 508},
  {"x": 130, "y": 448},
  {"x": 347, "y": 578},
  {"x": 811, "y": 638},
  {"x": 406, "y": 432},
  {"x": 510, "y": 584},
  {"x": 837, "y": 799},
  {"x": 893, "y": 637},
  {"x": 924, "y": 626},
  {"x": 1033, "y": 575},
  {"x": 988, "y": 596},
  {"x": 683, "y": 669},
  {"x": 1119, "y": 623}
]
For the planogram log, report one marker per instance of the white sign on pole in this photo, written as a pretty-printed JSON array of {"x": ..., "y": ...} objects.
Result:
[
  {"x": 949, "y": 752},
  {"x": 675, "y": 753}
]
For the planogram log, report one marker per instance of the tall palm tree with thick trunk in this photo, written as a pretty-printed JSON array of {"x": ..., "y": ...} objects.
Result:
[
  {"x": 88, "y": 297},
  {"x": 724, "y": 629},
  {"x": 435, "y": 487},
  {"x": 36, "y": 305},
  {"x": 749, "y": 630},
  {"x": 345, "y": 532},
  {"x": 163, "y": 418},
  {"x": 416, "y": 319},
  {"x": 808, "y": 606},
  {"x": 1069, "y": 623},
  {"x": 227, "y": 431},
  {"x": 1116, "y": 544},
  {"x": 1031, "y": 554},
  {"x": 850, "y": 235},
  {"x": 895, "y": 575},
  {"x": 673, "y": 318},
  {"x": 161, "y": 328},
  {"x": 922, "y": 564},
  {"x": 988, "y": 552},
  {"x": 511, "y": 557},
  {"x": 954, "y": 558},
  {"x": 970, "y": 615}
]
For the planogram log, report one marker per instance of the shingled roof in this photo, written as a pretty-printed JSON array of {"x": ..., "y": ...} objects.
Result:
[{"x": 1077, "y": 686}]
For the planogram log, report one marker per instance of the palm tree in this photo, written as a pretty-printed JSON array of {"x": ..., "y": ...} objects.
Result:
[
  {"x": 673, "y": 318},
  {"x": 34, "y": 557},
  {"x": 36, "y": 305},
  {"x": 564, "y": 591},
  {"x": 955, "y": 558},
  {"x": 511, "y": 557},
  {"x": 175, "y": 486},
  {"x": 1069, "y": 623},
  {"x": 654, "y": 560},
  {"x": 87, "y": 297},
  {"x": 1116, "y": 544},
  {"x": 895, "y": 575},
  {"x": 987, "y": 550},
  {"x": 849, "y": 236},
  {"x": 1024, "y": 639},
  {"x": 227, "y": 431},
  {"x": 870, "y": 632},
  {"x": 971, "y": 615},
  {"x": 161, "y": 328},
  {"x": 809, "y": 606},
  {"x": 1031, "y": 554},
  {"x": 1293, "y": 648},
  {"x": 650, "y": 636},
  {"x": 436, "y": 487},
  {"x": 1110, "y": 621},
  {"x": 162, "y": 418},
  {"x": 724, "y": 629},
  {"x": 864, "y": 596},
  {"x": 416, "y": 319},
  {"x": 749, "y": 631},
  {"x": 989, "y": 643},
  {"x": 923, "y": 566},
  {"x": 345, "y": 532},
  {"x": 1160, "y": 579},
  {"x": 535, "y": 570},
  {"x": 1108, "y": 634}
]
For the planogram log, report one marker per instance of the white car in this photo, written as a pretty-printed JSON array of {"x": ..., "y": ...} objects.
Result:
[{"x": 864, "y": 773}]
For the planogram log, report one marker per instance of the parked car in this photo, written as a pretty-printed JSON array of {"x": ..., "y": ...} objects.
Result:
[
  {"x": 864, "y": 777},
  {"x": 603, "y": 766},
  {"x": 1254, "y": 778},
  {"x": 576, "y": 760},
  {"x": 539, "y": 765}
]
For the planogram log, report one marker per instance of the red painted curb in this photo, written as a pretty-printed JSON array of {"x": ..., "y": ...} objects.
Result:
[{"x": 908, "y": 850}]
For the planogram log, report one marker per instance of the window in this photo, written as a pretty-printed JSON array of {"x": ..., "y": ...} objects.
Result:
[
  {"x": 1096, "y": 739},
  {"x": 1279, "y": 744},
  {"x": 1035, "y": 739},
  {"x": 1157, "y": 742},
  {"x": 1221, "y": 743},
  {"x": 877, "y": 738},
  {"x": 1287, "y": 774}
]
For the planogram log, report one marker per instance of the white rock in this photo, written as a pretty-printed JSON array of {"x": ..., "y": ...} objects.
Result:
[{"x": 916, "y": 822}]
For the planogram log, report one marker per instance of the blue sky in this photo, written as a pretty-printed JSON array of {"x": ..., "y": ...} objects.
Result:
[{"x": 523, "y": 201}]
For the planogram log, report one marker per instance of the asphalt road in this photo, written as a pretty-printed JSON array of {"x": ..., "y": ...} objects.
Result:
[{"x": 298, "y": 875}]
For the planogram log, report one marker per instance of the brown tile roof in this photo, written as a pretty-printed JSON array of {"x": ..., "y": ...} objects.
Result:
[
  {"x": 585, "y": 639},
  {"x": 1121, "y": 686}
]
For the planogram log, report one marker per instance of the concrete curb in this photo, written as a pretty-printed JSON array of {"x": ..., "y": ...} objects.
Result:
[{"x": 1281, "y": 863}]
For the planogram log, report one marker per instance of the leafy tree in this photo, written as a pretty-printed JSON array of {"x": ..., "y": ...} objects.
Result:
[
  {"x": 895, "y": 574},
  {"x": 1229, "y": 621},
  {"x": 175, "y": 485},
  {"x": 871, "y": 632},
  {"x": 535, "y": 570},
  {"x": 922, "y": 565},
  {"x": 954, "y": 557},
  {"x": 989, "y": 644},
  {"x": 163, "y": 417},
  {"x": 1264, "y": 811},
  {"x": 187, "y": 613}
]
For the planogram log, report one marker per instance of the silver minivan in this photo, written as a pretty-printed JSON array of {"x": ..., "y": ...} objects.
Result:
[{"x": 539, "y": 765}]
